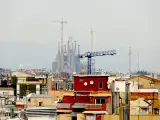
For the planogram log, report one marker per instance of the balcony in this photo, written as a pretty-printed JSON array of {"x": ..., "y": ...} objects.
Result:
[
  {"x": 63, "y": 106},
  {"x": 94, "y": 107},
  {"x": 28, "y": 82},
  {"x": 78, "y": 105}
]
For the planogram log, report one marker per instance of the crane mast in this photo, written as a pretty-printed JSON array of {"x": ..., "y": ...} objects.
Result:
[{"x": 62, "y": 22}]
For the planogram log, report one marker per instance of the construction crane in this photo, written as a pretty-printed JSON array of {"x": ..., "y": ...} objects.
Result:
[
  {"x": 89, "y": 55},
  {"x": 61, "y": 59}
]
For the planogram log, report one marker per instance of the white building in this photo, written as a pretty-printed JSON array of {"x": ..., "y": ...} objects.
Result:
[
  {"x": 6, "y": 91},
  {"x": 139, "y": 107}
]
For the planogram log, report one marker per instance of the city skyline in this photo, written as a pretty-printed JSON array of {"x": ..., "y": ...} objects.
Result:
[{"x": 30, "y": 33}]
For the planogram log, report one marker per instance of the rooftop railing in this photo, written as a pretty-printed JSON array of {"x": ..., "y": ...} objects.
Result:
[
  {"x": 93, "y": 106},
  {"x": 63, "y": 105}
]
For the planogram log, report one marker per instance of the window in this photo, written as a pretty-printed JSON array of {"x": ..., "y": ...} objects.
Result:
[
  {"x": 152, "y": 85},
  {"x": 68, "y": 87},
  {"x": 100, "y": 85},
  {"x": 40, "y": 103},
  {"x": 100, "y": 101},
  {"x": 103, "y": 101}
]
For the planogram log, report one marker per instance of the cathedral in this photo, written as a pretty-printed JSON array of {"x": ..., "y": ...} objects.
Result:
[{"x": 67, "y": 59}]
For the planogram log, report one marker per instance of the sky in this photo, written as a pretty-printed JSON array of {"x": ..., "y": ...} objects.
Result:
[{"x": 28, "y": 36}]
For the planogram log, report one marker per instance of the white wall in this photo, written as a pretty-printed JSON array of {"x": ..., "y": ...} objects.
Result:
[
  {"x": 7, "y": 92},
  {"x": 37, "y": 89},
  {"x": 42, "y": 118},
  {"x": 133, "y": 86},
  {"x": 119, "y": 86},
  {"x": 2, "y": 101}
]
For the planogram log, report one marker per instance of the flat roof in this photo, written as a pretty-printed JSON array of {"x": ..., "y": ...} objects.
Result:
[
  {"x": 41, "y": 96},
  {"x": 64, "y": 111},
  {"x": 41, "y": 108},
  {"x": 92, "y": 93},
  {"x": 92, "y": 75},
  {"x": 95, "y": 112},
  {"x": 6, "y": 88},
  {"x": 99, "y": 94}
]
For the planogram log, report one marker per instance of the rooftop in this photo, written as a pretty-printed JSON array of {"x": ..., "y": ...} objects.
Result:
[
  {"x": 41, "y": 96},
  {"x": 6, "y": 88},
  {"x": 93, "y": 93},
  {"x": 41, "y": 108},
  {"x": 146, "y": 77},
  {"x": 92, "y": 75}
]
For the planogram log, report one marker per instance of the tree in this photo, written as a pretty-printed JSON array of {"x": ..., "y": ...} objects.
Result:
[{"x": 14, "y": 84}]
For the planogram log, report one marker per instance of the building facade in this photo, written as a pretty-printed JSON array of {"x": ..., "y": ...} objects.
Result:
[
  {"x": 40, "y": 101},
  {"x": 29, "y": 83},
  {"x": 90, "y": 96}
]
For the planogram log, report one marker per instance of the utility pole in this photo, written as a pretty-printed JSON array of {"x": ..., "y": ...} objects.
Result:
[
  {"x": 138, "y": 61},
  {"x": 62, "y": 22},
  {"x": 130, "y": 53},
  {"x": 79, "y": 70},
  {"x": 138, "y": 69},
  {"x": 127, "y": 102},
  {"x": 125, "y": 109}
]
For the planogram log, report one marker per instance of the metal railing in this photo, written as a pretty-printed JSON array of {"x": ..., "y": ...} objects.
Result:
[
  {"x": 93, "y": 106},
  {"x": 63, "y": 105}
]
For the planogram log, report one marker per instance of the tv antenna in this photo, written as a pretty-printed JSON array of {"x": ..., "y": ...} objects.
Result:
[{"x": 130, "y": 53}]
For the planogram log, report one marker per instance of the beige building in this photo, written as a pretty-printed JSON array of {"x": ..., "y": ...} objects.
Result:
[
  {"x": 56, "y": 95},
  {"x": 7, "y": 91},
  {"x": 30, "y": 83},
  {"x": 64, "y": 117},
  {"x": 133, "y": 117},
  {"x": 40, "y": 100},
  {"x": 8, "y": 94},
  {"x": 59, "y": 84},
  {"x": 146, "y": 82}
]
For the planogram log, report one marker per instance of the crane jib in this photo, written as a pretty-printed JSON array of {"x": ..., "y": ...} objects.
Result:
[
  {"x": 101, "y": 53},
  {"x": 89, "y": 55}
]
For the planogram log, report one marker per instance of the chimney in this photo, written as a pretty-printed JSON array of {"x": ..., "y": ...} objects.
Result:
[{"x": 155, "y": 75}]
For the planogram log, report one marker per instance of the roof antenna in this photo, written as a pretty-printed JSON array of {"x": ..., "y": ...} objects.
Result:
[{"x": 130, "y": 53}]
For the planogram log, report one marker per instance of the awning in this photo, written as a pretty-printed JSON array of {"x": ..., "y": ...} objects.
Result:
[
  {"x": 64, "y": 111},
  {"x": 68, "y": 94},
  {"x": 103, "y": 94},
  {"x": 95, "y": 112}
]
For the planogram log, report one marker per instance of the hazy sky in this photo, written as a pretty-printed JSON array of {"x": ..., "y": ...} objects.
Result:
[{"x": 28, "y": 35}]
